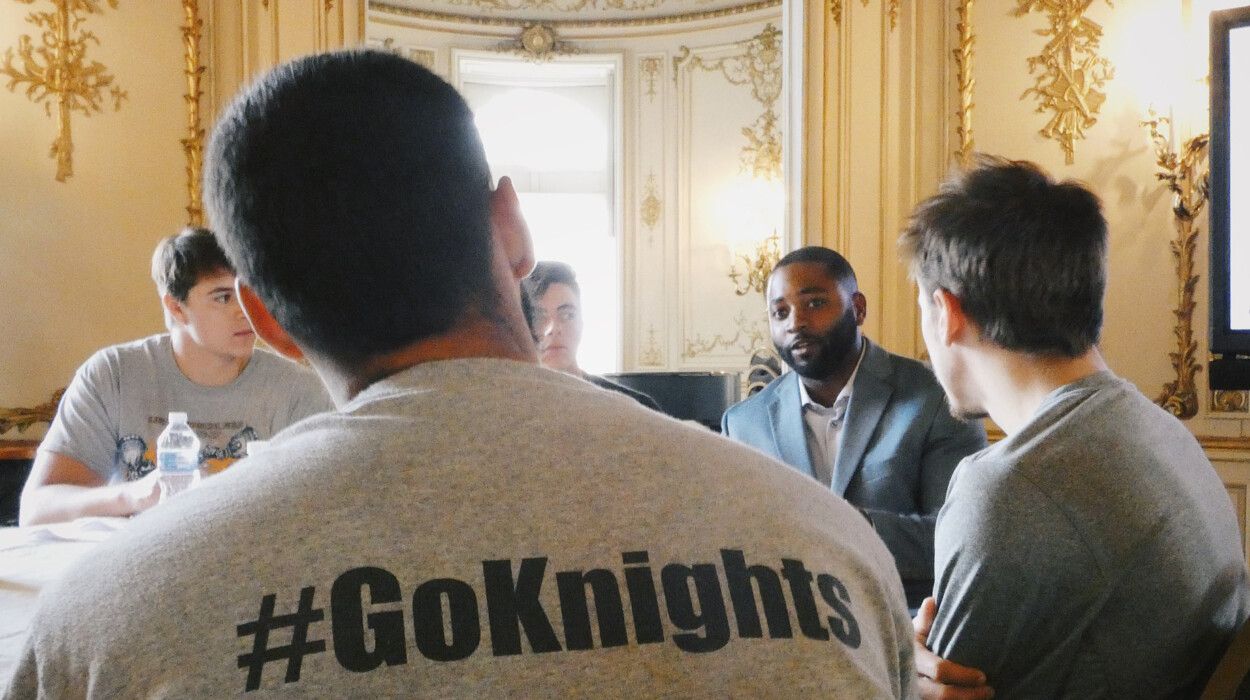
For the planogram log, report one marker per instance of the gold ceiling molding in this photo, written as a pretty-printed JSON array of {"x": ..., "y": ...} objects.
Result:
[
  {"x": 479, "y": 20},
  {"x": 760, "y": 67},
  {"x": 58, "y": 71},
  {"x": 193, "y": 144},
  {"x": 559, "y": 5},
  {"x": 1185, "y": 175},
  {"x": 1072, "y": 73},
  {"x": 963, "y": 69},
  {"x": 20, "y": 419}
]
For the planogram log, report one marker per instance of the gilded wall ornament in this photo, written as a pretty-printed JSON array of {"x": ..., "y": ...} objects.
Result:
[
  {"x": 58, "y": 71},
  {"x": 1072, "y": 75},
  {"x": 1185, "y": 175},
  {"x": 1224, "y": 401},
  {"x": 651, "y": 67},
  {"x": 559, "y": 5},
  {"x": 650, "y": 356},
  {"x": 748, "y": 336},
  {"x": 651, "y": 207},
  {"x": 963, "y": 68},
  {"x": 193, "y": 144},
  {"x": 20, "y": 419},
  {"x": 538, "y": 43},
  {"x": 835, "y": 10},
  {"x": 760, "y": 67}
]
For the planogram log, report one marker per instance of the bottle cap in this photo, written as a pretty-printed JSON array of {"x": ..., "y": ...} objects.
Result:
[{"x": 177, "y": 417}]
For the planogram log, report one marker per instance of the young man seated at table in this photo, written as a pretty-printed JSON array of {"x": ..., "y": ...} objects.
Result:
[
  {"x": 555, "y": 319},
  {"x": 98, "y": 457}
]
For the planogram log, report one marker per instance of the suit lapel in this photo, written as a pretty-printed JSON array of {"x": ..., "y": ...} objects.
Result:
[
  {"x": 785, "y": 416},
  {"x": 869, "y": 396}
]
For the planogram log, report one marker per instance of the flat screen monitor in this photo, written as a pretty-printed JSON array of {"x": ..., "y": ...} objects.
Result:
[
  {"x": 696, "y": 396},
  {"x": 1230, "y": 185}
]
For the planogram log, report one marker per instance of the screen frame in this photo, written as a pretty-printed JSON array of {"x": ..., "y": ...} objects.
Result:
[{"x": 1225, "y": 340}]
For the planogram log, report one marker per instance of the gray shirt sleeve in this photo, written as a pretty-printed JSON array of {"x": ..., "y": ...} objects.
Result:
[{"x": 86, "y": 424}]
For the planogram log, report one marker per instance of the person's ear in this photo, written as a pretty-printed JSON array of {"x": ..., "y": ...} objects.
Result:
[
  {"x": 263, "y": 322},
  {"x": 173, "y": 309},
  {"x": 860, "y": 303},
  {"x": 951, "y": 322},
  {"x": 511, "y": 232}
]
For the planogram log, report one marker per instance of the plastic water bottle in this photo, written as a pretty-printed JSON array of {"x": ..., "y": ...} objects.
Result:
[{"x": 177, "y": 457}]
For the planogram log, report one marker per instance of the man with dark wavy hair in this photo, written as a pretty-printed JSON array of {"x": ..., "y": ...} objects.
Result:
[{"x": 1093, "y": 552}]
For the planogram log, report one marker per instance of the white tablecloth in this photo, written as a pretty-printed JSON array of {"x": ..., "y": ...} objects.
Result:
[{"x": 30, "y": 557}]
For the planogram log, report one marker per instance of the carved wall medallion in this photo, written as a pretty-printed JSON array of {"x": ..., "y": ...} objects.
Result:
[
  {"x": 58, "y": 72},
  {"x": 1069, "y": 84},
  {"x": 538, "y": 43},
  {"x": 963, "y": 68},
  {"x": 193, "y": 144},
  {"x": 1230, "y": 401},
  {"x": 760, "y": 67},
  {"x": 1185, "y": 175},
  {"x": 651, "y": 208}
]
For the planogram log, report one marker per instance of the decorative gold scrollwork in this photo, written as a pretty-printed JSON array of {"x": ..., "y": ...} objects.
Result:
[
  {"x": 1186, "y": 177},
  {"x": 1225, "y": 401},
  {"x": 538, "y": 43},
  {"x": 193, "y": 144},
  {"x": 59, "y": 72},
  {"x": 22, "y": 418},
  {"x": 963, "y": 67},
  {"x": 1072, "y": 74}
]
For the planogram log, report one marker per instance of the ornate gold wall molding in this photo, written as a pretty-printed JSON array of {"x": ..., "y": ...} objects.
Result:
[
  {"x": 193, "y": 144},
  {"x": 1224, "y": 401},
  {"x": 650, "y": 355},
  {"x": 835, "y": 10},
  {"x": 20, "y": 419},
  {"x": 651, "y": 208},
  {"x": 1185, "y": 175},
  {"x": 58, "y": 72},
  {"x": 963, "y": 69},
  {"x": 748, "y": 336},
  {"x": 1072, "y": 73},
  {"x": 760, "y": 67},
  {"x": 651, "y": 67}
]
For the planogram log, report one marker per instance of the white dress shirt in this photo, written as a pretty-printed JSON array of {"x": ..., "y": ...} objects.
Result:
[{"x": 823, "y": 425}]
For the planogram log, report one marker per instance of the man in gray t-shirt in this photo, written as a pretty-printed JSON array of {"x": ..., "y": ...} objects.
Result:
[
  {"x": 1093, "y": 552},
  {"x": 98, "y": 457},
  {"x": 467, "y": 524}
]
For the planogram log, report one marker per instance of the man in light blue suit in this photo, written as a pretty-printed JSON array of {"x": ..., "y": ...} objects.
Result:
[{"x": 871, "y": 425}]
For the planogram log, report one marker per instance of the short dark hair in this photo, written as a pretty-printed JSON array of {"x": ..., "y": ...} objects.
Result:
[
  {"x": 1025, "y": 255},
  {"x": 181, "y": 260},
  {"x": 352, "y": 192},
  {"x": 547, "y": 273},
  {"x": 837, "y": 266}
]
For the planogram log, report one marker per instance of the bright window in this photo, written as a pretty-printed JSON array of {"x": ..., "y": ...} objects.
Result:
[{"x": 552, "y": 128}]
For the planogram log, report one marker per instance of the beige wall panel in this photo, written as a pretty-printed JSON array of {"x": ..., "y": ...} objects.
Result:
[
  {"x": 74, "y": 256},
  {"x": 651, "y": 210}
]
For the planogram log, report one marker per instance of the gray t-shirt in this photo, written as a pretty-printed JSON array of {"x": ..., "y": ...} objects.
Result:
[
  {"x": 121, "y": 398},
  {"x": 1093, "y": 554},
  {"x": 484, "y": 528}
]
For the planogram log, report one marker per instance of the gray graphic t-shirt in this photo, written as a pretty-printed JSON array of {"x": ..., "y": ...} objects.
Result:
[{"x": 120, "y": 400}]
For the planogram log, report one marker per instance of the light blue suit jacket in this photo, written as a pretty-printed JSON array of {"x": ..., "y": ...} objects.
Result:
[{"x": 900, "y": 446}]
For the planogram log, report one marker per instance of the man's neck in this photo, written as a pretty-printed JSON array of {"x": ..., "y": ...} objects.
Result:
[
  {"x": 202, "y": 366},
  {"x": 480, "y": 338},
  {"x": 825, "y": 391},
  {"x": 1018, "y": 383}
]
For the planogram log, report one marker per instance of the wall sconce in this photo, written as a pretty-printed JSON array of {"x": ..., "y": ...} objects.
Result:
[{"x": 758, "y": 264}]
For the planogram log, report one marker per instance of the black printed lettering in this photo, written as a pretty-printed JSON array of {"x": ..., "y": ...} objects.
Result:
[
  {"x": 643, "y": 601},
  {"x": 463, "y": 620},
  {"x": 804, "y": 601},
  {"x": 844, "y": 626},
  {"x": 512, "y": 606},
  {"x": 710, "y": 616},
  {"x": 739, "y": 576},
  {"x": 348, "y": 621},
  {"x": 575, "y": 609}
]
